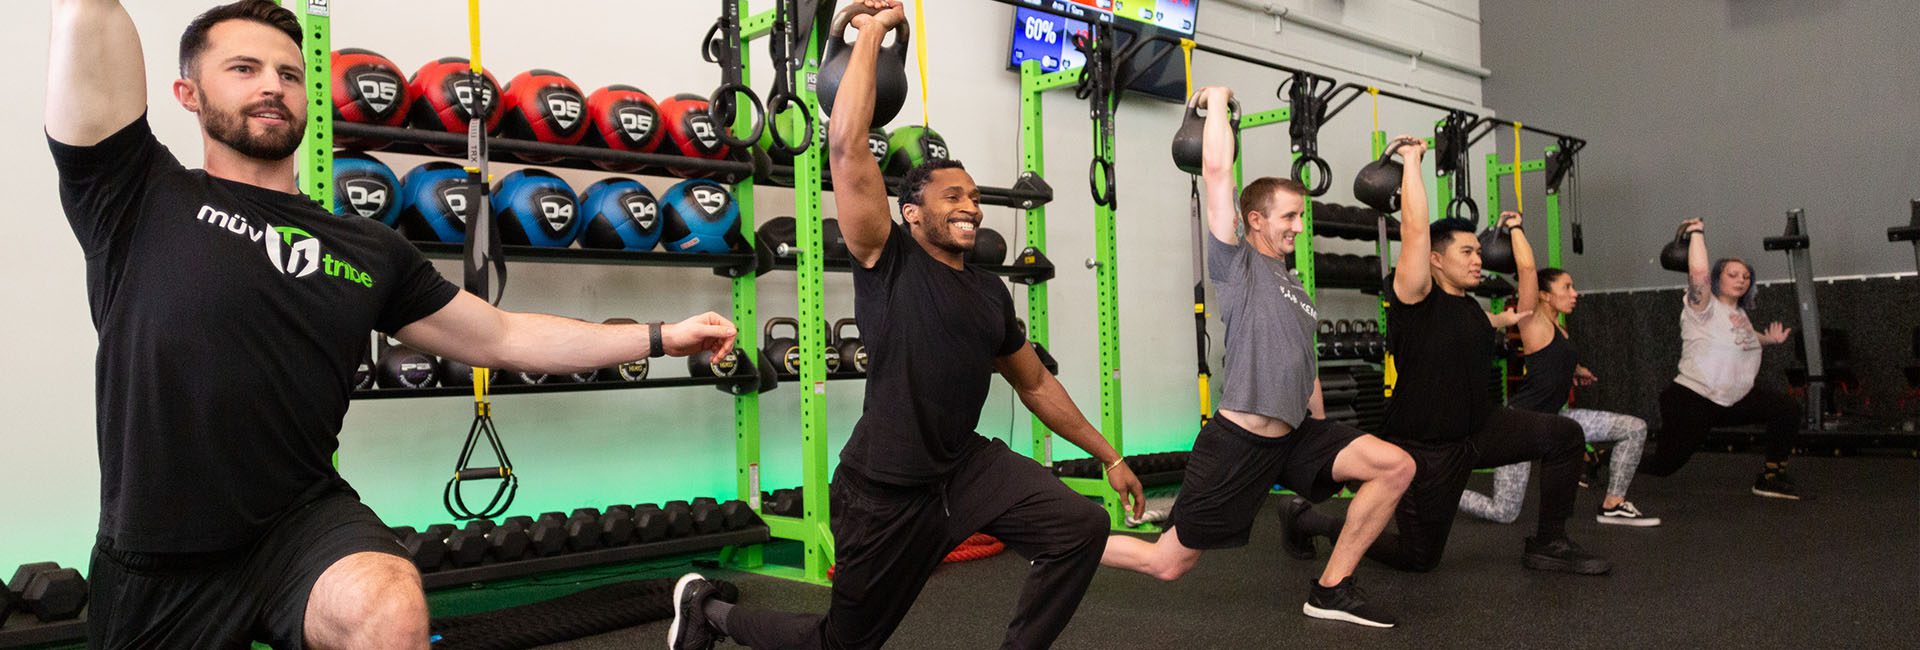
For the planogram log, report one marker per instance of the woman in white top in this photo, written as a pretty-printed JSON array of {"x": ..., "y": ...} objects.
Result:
[{"x": 1719, "y": 357}]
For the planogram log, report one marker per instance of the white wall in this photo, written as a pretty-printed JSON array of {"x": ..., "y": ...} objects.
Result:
[{"x": 591, "y": 449}]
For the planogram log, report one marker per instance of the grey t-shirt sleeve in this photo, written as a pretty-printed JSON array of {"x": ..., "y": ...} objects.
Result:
[{"x": 1226, "y": 263}]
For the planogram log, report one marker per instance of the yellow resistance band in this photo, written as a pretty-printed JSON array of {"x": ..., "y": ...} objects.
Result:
[
  {"x": 1186, "y": 58},
  {"x": 1376, "y": 107},
  {"x": 920, "y": 54},
  {"x": 1518, "y": 206}
]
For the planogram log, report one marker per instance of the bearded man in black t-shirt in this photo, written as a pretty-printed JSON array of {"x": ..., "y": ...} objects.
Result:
[
  {"x": 1442, "y": 411},
  {"x": 915, "y": 479},
  {"x": 232, "y": 312}
]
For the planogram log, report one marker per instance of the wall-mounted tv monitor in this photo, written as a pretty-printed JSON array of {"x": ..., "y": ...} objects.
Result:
[{"x": 1047, "y": 37}]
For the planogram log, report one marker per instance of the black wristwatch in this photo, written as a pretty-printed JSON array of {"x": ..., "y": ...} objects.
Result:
[{"x": 655, "y": 348}]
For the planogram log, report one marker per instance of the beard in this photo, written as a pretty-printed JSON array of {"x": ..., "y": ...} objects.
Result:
[
  {"x": 230, "y": 128},
  {"x": 941, "y": 236}
]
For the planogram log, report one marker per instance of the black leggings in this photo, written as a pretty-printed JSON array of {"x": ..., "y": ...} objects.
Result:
[
  {"x": 1424, "y": 518},
  {"x": 1686, "y": 417}
]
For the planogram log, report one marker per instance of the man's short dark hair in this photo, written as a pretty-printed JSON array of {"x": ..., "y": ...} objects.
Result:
[
  {"x": 194, "y": 41},
  {"x": 1440, "y": 233},
  {"x": 913, "y": 186}
]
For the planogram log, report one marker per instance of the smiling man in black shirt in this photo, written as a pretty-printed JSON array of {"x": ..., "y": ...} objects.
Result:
[
  {"x": 232, "y": 312},
  {"x": 916, "y": 480}
]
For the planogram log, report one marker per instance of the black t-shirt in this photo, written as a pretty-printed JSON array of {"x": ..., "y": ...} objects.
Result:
[
  {"x": 231, "y": 318},
  {"x": 1549, "y": 377},
  {"x": 932, "y": 335},
  {"x": 1443, "y": 351}
]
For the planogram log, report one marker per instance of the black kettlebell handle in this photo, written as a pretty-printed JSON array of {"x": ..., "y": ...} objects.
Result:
[
  {"x": 1326, "y": 327},
  {"x": 837, "y": 32},
  {"x": 766, "y": 333},
  {"x": 1343, "y": 327},
  {"x": 1370, "y": 327},
  {"x": 841, "y": 325}
]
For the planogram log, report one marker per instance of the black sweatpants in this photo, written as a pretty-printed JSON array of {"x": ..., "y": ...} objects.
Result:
[
  {"x": 1686, "y": 417},
  {"x": 1424, "y": 518},
  {"x": 889, "y": 539}
]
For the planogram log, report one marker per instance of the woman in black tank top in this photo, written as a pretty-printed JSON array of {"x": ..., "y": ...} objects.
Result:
[{"x": 1553, "y": 370}]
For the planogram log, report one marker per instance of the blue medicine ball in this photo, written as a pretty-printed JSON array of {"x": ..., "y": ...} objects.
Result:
[
  {"x": 435, "y": 201},
  {"x": 620, "y": 215},
  {"x": 365, "y": 187},
  {"x": 699, "y": 216},
  {"x": 536, "y": 208}
]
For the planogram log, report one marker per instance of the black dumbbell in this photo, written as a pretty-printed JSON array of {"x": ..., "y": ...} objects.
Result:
[
  {"x": 509, "y": 540},
  {"x": 735, "y": 515},
  {"x": 789, "y": 502},
  {"x": 440, "y": 531},
  {"x": 679, "y": 518},
  {"x": 616, "y": 527},
  {"x": 583, "y": 530},
  {"x": 50, "y": 592},
  {"x": 649, "y": 523},
  {"x": 706, "y": 516},
  {"x": 468, "y": 546},
  {"x": 426, "y": 550},
  {"x": 548, "y": 534}
]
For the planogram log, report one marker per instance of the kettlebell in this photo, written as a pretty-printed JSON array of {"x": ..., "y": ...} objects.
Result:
[
  {"x": 832, "y": 354},
  {"x": 1343, "y": 340},
  {"x": 404, "y": 367},
  {"x": 1378, "y": 183},
  {"x": 1376, "y": 344},
  {"x": 703, "y": 364},
  {"x": 989, "y": 248},
  {"x": 1496, "y": 249},
  {"x": 1323, "y": 341},
  {"x": 1673, "y": 256},
  {"x": 363, "y": 376},
  {"x": 853, "y": 353},
  {"x": 833, "y": 243},
  {"x": 784, "y": 352},
  {"x": 890, "y": 74},
  {"x": 1188, "y": 141}
]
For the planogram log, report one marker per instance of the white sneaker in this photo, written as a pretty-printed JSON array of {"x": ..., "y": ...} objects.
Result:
[{"x": 1625, "y": 515}]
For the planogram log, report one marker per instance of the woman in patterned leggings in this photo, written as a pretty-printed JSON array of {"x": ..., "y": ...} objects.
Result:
[{"x": 1552, "y": 371}]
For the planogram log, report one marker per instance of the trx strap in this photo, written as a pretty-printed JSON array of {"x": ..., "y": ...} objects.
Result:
[
  {"x": 721, "y": 46},
  {"x": 1307, "y": 94},
  {"x": 920, "y": 56},
  {"x": 1097, "y": 87},
  {"x": 1204, "y": 374},
  {"x": 792, "y": 26},
  {"x": 482, "y": 249},
  {"x": 1517, "y": 205}
]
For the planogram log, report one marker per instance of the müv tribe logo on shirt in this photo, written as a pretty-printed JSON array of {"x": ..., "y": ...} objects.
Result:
[{"x": 290, "y": 250}]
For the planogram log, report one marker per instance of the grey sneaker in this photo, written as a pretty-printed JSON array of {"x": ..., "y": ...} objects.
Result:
[
  {"x": 1778, "y": 486},
  {"x": 1344, "y": 602}
]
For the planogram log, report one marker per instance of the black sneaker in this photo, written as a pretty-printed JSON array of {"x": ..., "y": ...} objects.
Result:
[
  {"x": 1344, "y": 602},
  {"x": 1625, "y": 515},
  {"x": 1563, "y": 555},
  {"x": 1298, "y": 543},
  {"x": 691, "y": 630},
  {"x": 1777, "y": 486}
]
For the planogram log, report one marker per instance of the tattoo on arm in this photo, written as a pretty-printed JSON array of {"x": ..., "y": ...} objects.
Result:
[{"x": 1696, "y": 294}]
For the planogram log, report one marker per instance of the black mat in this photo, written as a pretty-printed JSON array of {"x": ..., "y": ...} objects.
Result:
[{"x": 1727, "y": 570}]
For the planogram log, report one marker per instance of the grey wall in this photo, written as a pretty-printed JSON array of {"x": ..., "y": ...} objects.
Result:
[
  {"x": 1730, "y": 110},
  {"x": 592, "y": 449}
]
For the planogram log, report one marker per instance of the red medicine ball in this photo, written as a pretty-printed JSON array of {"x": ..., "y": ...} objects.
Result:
[
  {"x": 691, "y": 131},
  {"x": 546, "y": 106},
  {"x": 623, "y": 118},
  {"x": 368, "y": 89},
  {"x": 442, "y": 91}
]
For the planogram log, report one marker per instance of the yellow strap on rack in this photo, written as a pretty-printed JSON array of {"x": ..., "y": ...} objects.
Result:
[
  {"x": 473, "y": 34},
  {"x": 920, "y": 53},
  {"x": 1186, "y": 59},
  {"x": 1518, "y": 206},
  {"x": 1375, "y": 92}
]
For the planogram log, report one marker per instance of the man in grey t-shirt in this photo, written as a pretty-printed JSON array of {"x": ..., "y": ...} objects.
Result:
[{"x": 1270, "y": 427}]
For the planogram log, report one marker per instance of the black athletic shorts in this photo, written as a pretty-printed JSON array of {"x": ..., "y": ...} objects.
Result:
[
  {"x": 1231, "y": 470},
  {"x": 228, "y": 599}
]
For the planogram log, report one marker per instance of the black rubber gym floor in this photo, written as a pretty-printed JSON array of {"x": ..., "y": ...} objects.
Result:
[{"x": 1727, "y": 570}]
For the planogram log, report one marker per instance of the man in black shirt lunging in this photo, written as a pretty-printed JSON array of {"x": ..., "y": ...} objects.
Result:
[
  {"x": 1442, "y": 411},
  {"x": 915, "y": 479},
  {"x": 232, "y": 312}
]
